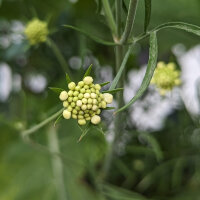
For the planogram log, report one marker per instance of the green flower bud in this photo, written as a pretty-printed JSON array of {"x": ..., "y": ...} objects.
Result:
[
  {"x": 89, "y": 106},
  {"x": 94, "y": 101},
  {"x": 93, "y": 90},
  {"x": 100, "y": 105},
  {"x": 98, "y": 111},
  {"x": 86, "y": 87},
  {"x": 97, "y": 92},
  {"x": 77, "y": 88},
  {"x": 87, "y": 95},
  {"x": 84, "y": 100},
  {"x": 75, "y": 93},
  {"x": 96, "y": 119},
  {"x": 86, "y": 111},
  {"x": 94, "y": 107},
  {"x": 66, "y": 114},
  {"x": 75, "y": 99},
  {"x": 80, "y": 117},
  {"x": 97, "y": 87},
  {"x": 99, "y": 99},
  {"x": 81, "y": 83},
  {"x": 93, "y": 95},
  {"x": 103, "y": 104},
  {"x": 82, "y": 90},
  {"x": 77, "y": 108},
  {"x": 70, "y": 93},
  {"x": 108, "y": 97},
  {"x": 101, "y": 96},
  {"x": 69, "y": 108},
  {"x": 63, "y": 96},
  {"x": 88, "y": 118},
  {"x": 84, "y": 107},
  {"x": 65, "y": 104},
  {"x": 79, "y": 103},
  {"x": 86, "y": 115},
  {"x": 70, "y": 99},
  {"x": 73, "y": 104},
  {"x": 80, "y": 96},
  {"x": 89, "y": 100},
  {"x": 88, "y": 91},
  {"x": 74, "y": 111},
  {"x": 74, "y": 116},
  {"x": 71, "y": 85},
  {"x": 81, "y": 112},
  {"x": 88, "y": 80},
  {"x": 81, "y": 122},
  {"x": 91, "y": 111}
]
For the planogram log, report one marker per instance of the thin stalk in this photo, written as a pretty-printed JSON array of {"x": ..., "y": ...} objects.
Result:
[
  {"x": 59, "y": 56},
  {"x": 41, "y": 124},
  {"x": 129, "y": 21},
  {"x": 57, "y": 164},
  {"x": 110, "y": 18}
]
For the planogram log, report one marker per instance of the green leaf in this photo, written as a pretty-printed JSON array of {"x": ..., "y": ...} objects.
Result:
[
  {"x": 99, "y": 6},
  {"x": 109, "y": 108},
  {"x": 122, "y": 67},
  {"x": 153, "y": 53},
  {"x": 84, "y": 130},
  {"x": 124, "y": 7},
  {"x": 56, "y": 90},
  {"x": 103, "y": 84},
  {"x": 147, "y": 14},
  {"x": 87, "y": 73},
  {"x": 58, "y": 119},
  {"x": 113, "y": 91},
  {"x": 91, "y": 36},
  {"x": 68, "y": 79}
]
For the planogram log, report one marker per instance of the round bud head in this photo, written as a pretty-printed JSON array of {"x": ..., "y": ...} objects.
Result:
[
  {"x": 75, "y": 93},
  {"x": 89, "y": 100},
  {"x": 88, "y": 80},
  {"x": 81, "y": 83},
  {"x": 70, "y": 99},
  {"x": 66, "y": 114},
  {"x": 73, "y": 104},
  {"x": 86, "y": 115},
  {"x": 97, "y": 92},
  {"x": 93, "y": 95},
  {"x": 88, "y": 91},
  {"x": 82, "y": 90},
  {"x": 98, "y": 111},
  {"x": 103, "y": 104},
  {"x": 79, "y": 103},
  {"x": 70, "y": 93},
  {"x": 84, "y": 107},
  {"x": 99, "y": 99},
  {"x": 87, "y": 95},
  {"x": 96, "y": 119},
  {"x": 77, "y": 108},
  {"x": 100, "y": 106},
  {"x": 108, "y": 97},
  {"x": 74, "y": 111},
  {"x": 80, "y": 117},
  {"x": 94, "y": 101},
  {"x": 91, "y": 111},
  {"x": 74, "y": 116},
  {"x": 81, "y": 112},
  {"x": 84, "y": 100},
  {"x": 89, "y": 106},
  {"x": 82, "y": 122},
  {"x": 65, "y": 104},
  {"x": 94, "y": 107},
  {"x": 93, "y": 90},
  {"x": 71, "y": 85},
  {"x": 75, "y": 99},
  {"x": 101, "y": 96},
  {"x": 63, "y": 96},
  {"x": 97, "y": 87},
  {"x": 69, "y": 108},
  {"x": 86, "y": 87},
  {"x": 77, "y": 88},
  {"x": 88, "y": 118},
  {"x": 80, "y": 96}
]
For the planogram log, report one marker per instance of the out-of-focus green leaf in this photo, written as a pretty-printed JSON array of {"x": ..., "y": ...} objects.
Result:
[
  {"x": 56, "y": 90},
  {"x": 113, "y": 91},
  {"x": 91, "y": 36},
  {"x": 58, "y": 119},
  {"x": 147, "y": 14},
  {"x": 68, "y": 79},
  {"x": 87, "y": 73},
  {"x": 153, "y": 52}
]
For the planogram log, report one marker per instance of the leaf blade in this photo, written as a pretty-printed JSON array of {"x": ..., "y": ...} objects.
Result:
[
  {"x": 56, "y": 90},
  {"x": 149, "y": 71},
  {"x": 105, "y": 83},
  {"x": 147, "y": 14},
  {"x": 87, "y": 73},
  {"x": 68, "y": 79},
  {"x": 113, "y": 91}
]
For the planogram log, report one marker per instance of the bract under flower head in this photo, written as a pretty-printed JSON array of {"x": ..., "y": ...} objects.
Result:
[
  {"x": 36, "y": 31},
  {"x": 166, "y": 77}
]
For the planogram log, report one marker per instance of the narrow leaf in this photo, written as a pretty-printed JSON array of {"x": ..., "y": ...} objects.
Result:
[
  {"x": 56, "y": 90},
  {"x": 58, "y": 119},
  {"x": 109, "y": 108},
  {"x": 103, "y": 84},
  {"x": 84, "y": 131},
  {"x": 113, "y": 91},
  {"x": 91, "y": 36},
  {"x": 87, "y": 73},
  {"x": 147, "y": 14},
  {"x": 153, "y": 52},
  {"x": 68, "y": 78}
]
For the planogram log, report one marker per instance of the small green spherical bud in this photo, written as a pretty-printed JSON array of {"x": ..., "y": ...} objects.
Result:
[
  {"x": 86, "y": 115},
  {"x": 74, "y": 116},
  {"x": 86, "y": 87},
  {"x": 80, "y": 96},
  {"x": 83, "y": 107},
  {"x": 63, "y": 96},
  {"x": 93, "y": 90},
  {"x": 96, "y": 119},
  {"x": 82, "y": 90},
  {"x": 99, "y": 99},
  {"x": 93, "y": 95},
  {"x": 94, "y": 107},
  {"x": 108, "y": 97},
  {"x": 81, "y": 83},
  {"x": 88, "y": 91},
  {"x": 80, "y": 112},
  {"x": 65, "y": 104},
  {"x": 73, "y": 104},
  {"x": 101, "y": 96},
  {"x": 70, "y": 93},
  {"x": 86, "y": 111},
  {"x": 75, "y": 93},
  {"x": 82, "y": 122},
  {"x": 98, "y": 111},
  {"x": 79, "y": 103},
  {"x": 88, "y": 80},
  {"x": 77, "y": 108},
  {"x": 69, "y": 108},
  {"x": 80, "y": 117},
  {"x": 87, "y": 95},
  {"x": 74, "y": 111},
  {"x": 97, "y": 92},
  {"x": 97, "y": 87},
  {"x": 84, "y": 100},
  {"x": 89, "y": 100},
  {"x": 71, "y": 85},
  {"x": 75, "y": 99},
  {"x": 94, "y": 101},
  {"x": 89, "y": 106},
  {"x": 66, "y": 114},
  {"x": 88, "y": 118},
  {"x": 100, "y": 105},
  {"x": 70, "y": 99},
  {"x": 103, "y": 104},
  {"x": 91, "y": 111},
  {"x": 77, "y": 88}
]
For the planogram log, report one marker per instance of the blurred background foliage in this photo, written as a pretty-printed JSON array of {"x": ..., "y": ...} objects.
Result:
[{"x": 149, "y": 164}]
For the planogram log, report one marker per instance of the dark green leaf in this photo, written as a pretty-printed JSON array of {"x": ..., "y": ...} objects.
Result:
[
  {"x": 68, "y": 78},
  {"x": 87, "y": 73},
  {"x": 147, "y": 14},
  {"x": 103, "y": 84},
  {"x": 153, "y": 52},
  {"x": 91, "y": 36},
  {"x": 58, "y": 119},
  {"x": 113, "y": 91},
  {"x": 109, "y": 108},
  {"x": 56, "y": 90}
]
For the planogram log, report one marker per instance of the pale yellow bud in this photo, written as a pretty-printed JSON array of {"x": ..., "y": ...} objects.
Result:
[
  {"x": 96, "y": 119},
  {"x": 81, "y": 112},
  {"x": 70, "y": 99},
  {"x": 93, "y": 95},
  {"x": 87, "y": 95},
  {"x": 66, "y": 114},
  {"x": 84, "y": 100},
  {"x": 88, "y": 80},
  {"x": 82, "y": 90},
  {"x": 80, "y": 116},
  {"x": 70, "y": 93},
  {"x": 83, "y": 107},
  {"x": 77, "y": 88},
  {"x": 80, "y": 96},
  {"x": 63, "y": 96},
  {"x": 81, "y": 83},
  {"x": 94, "y": 101},
  {"x": 71, "y": 86},
  {"x": 77, "y": 108},
  {"x": 86, "y": 87},
  {"x": 89, "y": 106},
  {"x": 97, "y": 87},
  {"x": 93, "y": 90},
  {"x": 74, "y": 111},
  {"x": 75, "y": 99},
  {"x": 74, "y": 116},
  {"x": 88, "y": 118},
  {"x": 75, "y": 93},
  {"x": 89, "y": 100},
  {"x": 73, "y": 104},
  {"x": 65, "y": 104},
  {"x": 98, "y": 111},
  {"x": 79, "y": 103},
  {"x": 69, "y": 108},
  {"x": 108, "y": 97},
  {"x": 103, "y": 104},
  {"x": 82, "y": 121},
  {"x": 94, "y": 107}
]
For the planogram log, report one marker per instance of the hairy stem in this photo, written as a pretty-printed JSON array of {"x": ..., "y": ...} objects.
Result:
[
  {"x": 57, "y": 164},
  {"x": 129, "y": 21}
]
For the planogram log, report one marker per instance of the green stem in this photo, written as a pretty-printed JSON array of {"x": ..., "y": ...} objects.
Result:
[
  {"x": 109, "y": 16},
  {"x": 59, "y": 56},
  {"x": 41, "y": 124},
  {"x": 129, "y": 21},
  {"x": 57, "y": 164}
]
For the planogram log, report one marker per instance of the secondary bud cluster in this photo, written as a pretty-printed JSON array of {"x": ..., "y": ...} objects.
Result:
[
  {"x": 166, "y": 77},
  {"x": 84, "y": 101}
]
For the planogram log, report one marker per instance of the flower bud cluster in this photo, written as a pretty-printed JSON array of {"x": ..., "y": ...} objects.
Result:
[
  {"x": 166, "y": 77},
  {"x": 36, "y": 31},
  {"x": 84, "y": 101}
]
